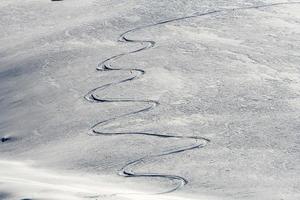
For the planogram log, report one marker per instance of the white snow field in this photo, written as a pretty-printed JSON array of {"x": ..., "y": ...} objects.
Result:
[{"x": 143, "y": 100}]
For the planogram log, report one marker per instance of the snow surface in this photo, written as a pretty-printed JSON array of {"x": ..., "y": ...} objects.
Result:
[{"x": 231, "y": 77}]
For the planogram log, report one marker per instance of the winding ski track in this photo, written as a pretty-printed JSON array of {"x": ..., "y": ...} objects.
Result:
[{"x": 106, "y": 66}]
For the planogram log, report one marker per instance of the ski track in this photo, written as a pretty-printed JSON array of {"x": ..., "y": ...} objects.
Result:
[{"x": 106, "y": 65}]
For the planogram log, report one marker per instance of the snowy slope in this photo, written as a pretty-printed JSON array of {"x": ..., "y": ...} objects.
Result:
[{"x": 223, "y": 75}]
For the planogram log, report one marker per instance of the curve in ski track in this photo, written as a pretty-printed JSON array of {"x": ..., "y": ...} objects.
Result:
[{"x": 199, "y": 142}]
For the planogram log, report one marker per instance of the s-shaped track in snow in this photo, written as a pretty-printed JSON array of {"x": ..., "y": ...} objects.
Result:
[{"x": 106, "y": 65}]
